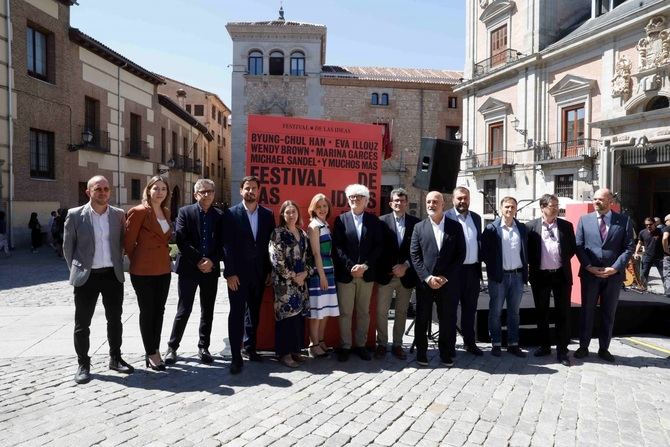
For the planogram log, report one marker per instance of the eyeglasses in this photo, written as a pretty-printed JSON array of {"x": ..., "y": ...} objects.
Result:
[
  {"x": 356, "y": 197},
  {"x": 206, "y": 192}
]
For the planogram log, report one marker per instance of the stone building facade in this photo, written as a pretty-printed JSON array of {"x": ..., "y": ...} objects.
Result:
[
  {"x": 279, "y": 68},
  {"x": 565, "y": 98}
]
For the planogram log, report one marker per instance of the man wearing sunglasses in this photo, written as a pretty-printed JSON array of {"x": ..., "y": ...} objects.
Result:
[
  {"x": 649, "y": 249},
  {"x": 551, "y": 246}
]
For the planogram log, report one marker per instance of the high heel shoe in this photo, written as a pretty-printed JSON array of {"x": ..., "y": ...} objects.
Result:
[{"x": 150, "y": 364}]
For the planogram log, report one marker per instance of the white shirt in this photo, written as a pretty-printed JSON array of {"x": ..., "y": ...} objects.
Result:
[
  {"x": 165, "y": 226},
  {"x": 358, "y": 223},
  {"x": 550, "y": 252},
  {"x": 438, "y": 232},
  {"x": 470, "y": 232},
  {"x": 399, "y": 227},
  {"x": 511, "y": 247},
  {"x": 253, "y": 219},
  {"x": 102, "y": 257}
]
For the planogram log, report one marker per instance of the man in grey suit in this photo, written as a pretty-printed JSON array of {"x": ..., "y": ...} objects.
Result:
[
  {"x": 604, "y": 246},
  {"x": 92, "y": 244}
]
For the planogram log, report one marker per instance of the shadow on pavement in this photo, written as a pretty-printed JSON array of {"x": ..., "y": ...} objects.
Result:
[{"x": 30, "y": 269}]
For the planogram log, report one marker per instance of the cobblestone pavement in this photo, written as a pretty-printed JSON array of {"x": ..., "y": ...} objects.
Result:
[{"x": 481, "y": 401}]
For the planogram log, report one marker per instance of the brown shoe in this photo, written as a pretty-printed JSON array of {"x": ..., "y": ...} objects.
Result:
[
  {"x": 298, "y": 357},
  {"x": 316, "y": 351},
  {"x": 380, "y": 352},
  {"x": 399, "y": 353}
]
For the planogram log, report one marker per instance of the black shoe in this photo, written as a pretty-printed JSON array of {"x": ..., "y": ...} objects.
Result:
[
  {"x": 170, "y": 356},
  {"x": 363, "y": 353},
  {"x": 447, "y": 361},
  {"x": 542, "y": 351},
  {"x": 156, "y": 367},
  {"x": 495, "y": 351},
  {"x": 581, "y": 353},
  {"x": 422, "y": 358},
  {"x": 563, "y": 359},
  {"x": 605, "y": 355},
  {"x": 120, "y": 365},
  {"x": 83, "y": 374},
  {"x": 236, "y": 366},
  {"x": 205, "y": 356},
  {"x": 474, "y": 350},
  {"x": 515, "y": 350},
  {"x": 343, "y": 355},
  {"x": 251, "y": 355}
]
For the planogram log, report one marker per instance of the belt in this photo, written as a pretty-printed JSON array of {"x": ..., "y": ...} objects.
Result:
[
  {"x": 513, "y": 271},
  {"x": 550, "y": 270},
  {"x": 102, "y": 270}
]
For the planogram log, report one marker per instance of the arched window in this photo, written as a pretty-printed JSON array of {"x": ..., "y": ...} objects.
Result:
[
  {"x": 375, "y": 99},
  {"x": 297, "y": 63},
  {"x": 276, "y": 63},
  {"x": 255, "y": 63},
  {"x": 656, "y": 103},
  {"x": 385, "y": 99}
]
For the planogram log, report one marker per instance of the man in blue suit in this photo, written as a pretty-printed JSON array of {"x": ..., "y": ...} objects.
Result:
[
  {"x": 471, "y": 269},
  {"x": 604, "y": 246},
  {"x": 199, "y": 234},
  {"x": 504, "y": 251},
  {"x": 437, "y": 251},
  {"x": 247, "y": 270}
]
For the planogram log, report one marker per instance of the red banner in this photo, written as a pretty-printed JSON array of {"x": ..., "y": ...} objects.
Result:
[{"x": 296, "y": 158}]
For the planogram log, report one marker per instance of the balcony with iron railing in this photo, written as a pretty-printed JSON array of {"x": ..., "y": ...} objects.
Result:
[
  {"x": 569, "y": 150},
  {"x": 496, "y": 62},
  {"x": 489, "y": 160},
  {"x": 197, "y": 167},
  {"x": 137, "y": 148},
  {"x": 91, "y": 139},
  {"x": 648, "y": 154},
  {"x": 188, "y": 164}
]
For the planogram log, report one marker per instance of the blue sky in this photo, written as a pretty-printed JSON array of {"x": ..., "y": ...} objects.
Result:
[{"x": 187, "y": 39}]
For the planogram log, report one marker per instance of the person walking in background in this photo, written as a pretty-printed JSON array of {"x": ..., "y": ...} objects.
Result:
[
  {"x": 551, "y": 246},
  {"x": 504, "y": 251},
  {"x": 292, "y": 264},
  {"x": 199, "y": 233},
  {"x": 471, "y": 270},
  {"x": 92, "y": 247},
  {"x": 51, "y": 230},
  {"x": 247, "y": 270},
  {"x": 437, "y": 251},
  {"x": 4, "y": 241},
  {"x": 395, "y": 273},
  {"x": 322, "y": 290},
  {"x": 146, "y": 243},
  {"x": 59, "y": 223},
  {"x": 358, "y": 246},
  {"x": 665, "y": 242},
  {"x": 604, "y": 245},
  {"x": 35, "y": 232},
  {"x": 649, "y": 248}
]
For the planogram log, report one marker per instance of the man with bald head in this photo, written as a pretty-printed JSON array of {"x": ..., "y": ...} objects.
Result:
[
  {"x": 92, "y": 242},
  {"x": 437, "y": 252},
  {"x": 604, "y": 246}
]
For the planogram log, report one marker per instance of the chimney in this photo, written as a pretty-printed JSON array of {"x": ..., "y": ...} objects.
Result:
[{"x": 181, "y": 98}]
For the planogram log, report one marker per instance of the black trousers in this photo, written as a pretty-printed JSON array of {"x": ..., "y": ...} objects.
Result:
[
  {"x": 468, "y": 295},
  {"x": 608, "y": 290},
  {"x": 244, "y": 316},
  {"x": 289, "y": 335},
  {"x": 102, "y": 281},
  {"x": 545, "y": 284},
  {"x": 186, "y": 287},
  {"x": 446, "y": 302},
  {"x": 152, "y": 292}
]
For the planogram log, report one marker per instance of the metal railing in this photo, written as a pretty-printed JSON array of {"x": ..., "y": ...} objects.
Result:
[
  {"x": 648, "y": 155},
  {"x": 137, "y": 148},
  {"x": 188, "y": 164},
  {"x": 496, "y": 62},
  {"x": 100, "y": 141},
  {"x": 197, "y": 167},
  {"x": 489, "y": 159},
  {"x": 582, "y": 147}
]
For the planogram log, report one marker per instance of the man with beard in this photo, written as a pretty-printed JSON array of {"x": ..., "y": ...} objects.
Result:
[
  {"x": 471, "y": 270},
  {"x": 604, "y": 246},
  {"x": 437, "y": 251},
  {"x": 247, "y": 270}
]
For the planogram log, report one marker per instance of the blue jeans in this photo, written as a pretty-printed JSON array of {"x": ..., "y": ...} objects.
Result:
[{"x": 509, "y": 290}]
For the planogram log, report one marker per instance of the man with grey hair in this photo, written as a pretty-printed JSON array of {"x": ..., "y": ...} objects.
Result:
[
  {"x": 358, "y": 246},
  {"x": 395, "y": 273},
  {"x": 199, "y": 234}
]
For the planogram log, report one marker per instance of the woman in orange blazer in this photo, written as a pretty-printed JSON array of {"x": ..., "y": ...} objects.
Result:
[{"x": 146, "y": 243}]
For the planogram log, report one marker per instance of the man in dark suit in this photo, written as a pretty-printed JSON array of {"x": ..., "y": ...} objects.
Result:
[
  {"x": 437, "y": 251},
  {"x": 471, "y": 270},
  {"x": 604, "y": 246},
  {"x": 357, "y": 240},
  {"x": 395, "y": 273},
  {"x": 92, "y": 241},
  {"x": 551, "y": 246},
  {"x": 505, "y": 254},
  {"x": 247, "y": 270},
  {"x": 199, "y": 234}
]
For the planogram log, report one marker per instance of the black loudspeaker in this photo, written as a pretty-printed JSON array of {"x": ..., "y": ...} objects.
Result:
[{"x": 438, "y": 165}]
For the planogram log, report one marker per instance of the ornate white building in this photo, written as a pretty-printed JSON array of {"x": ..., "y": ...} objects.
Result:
[{"x": 565, "y": 97}]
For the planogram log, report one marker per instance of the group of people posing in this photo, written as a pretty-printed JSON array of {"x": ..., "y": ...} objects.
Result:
[{"x": 323, "y": 272}]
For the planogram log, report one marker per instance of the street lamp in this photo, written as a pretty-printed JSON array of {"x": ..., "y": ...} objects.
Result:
[
  {"x": 86, "y": 139},
  {"x": 515, "y": 125}
]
